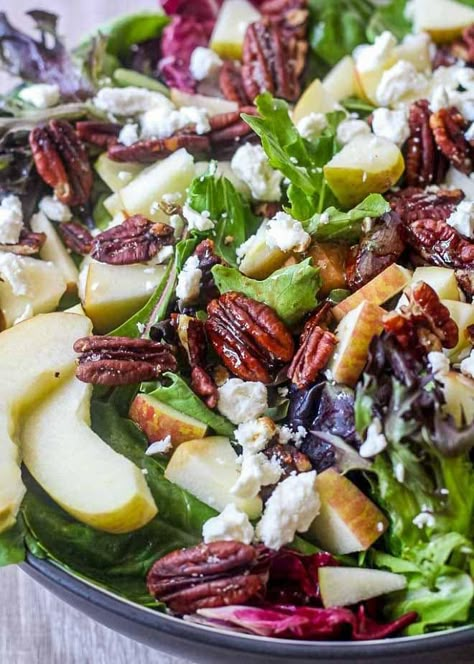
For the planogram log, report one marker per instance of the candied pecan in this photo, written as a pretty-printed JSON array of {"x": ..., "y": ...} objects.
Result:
[
  {"x": 102, "y": 134},
  {"x": 424, "y": 324},
  {"x": 463, "y": 48},
  {"x": 289, "y": 457},
  {"x": 230, "y": 82},
  {"x": 229, "y": 127},
  {"x": 208, "y": 575},
  {"x": 134, "y": 240},
  {"x": 440, "y": 244},
  {"x": 207, "y": 259},
  {"x": 150, "y": 150},
  {"x": 443, "y": 57},
  {"x": 114, "y": 361},
  {"x": 76, "y": 237},
  {"x": 414, "y": 203},
  {"x": 449, "y": 128},
  {"x": 425, "y": 164},
  {"x": 266, "y": 210},
  {"x": 248, "y": 336},
  {"x": 62, "y": 162},
  {"x": 465, "y": 279},
  {"x": 28, "y": 244},
  {"x": 204, "y": 386}
]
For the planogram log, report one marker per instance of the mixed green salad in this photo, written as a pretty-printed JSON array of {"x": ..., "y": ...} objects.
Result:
[{"x": 236, "y": 303}]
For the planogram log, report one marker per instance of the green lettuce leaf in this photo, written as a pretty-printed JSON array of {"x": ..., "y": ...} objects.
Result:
[
  {"x": 290, "y": 291},
  {"x": 390, "y": 17},
  {"x": 12, "y": 545},
  {"x": 333, "y": 225}
]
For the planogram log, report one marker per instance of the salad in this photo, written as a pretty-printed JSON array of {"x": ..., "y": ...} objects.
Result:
[{"x": 236, "y": 298}]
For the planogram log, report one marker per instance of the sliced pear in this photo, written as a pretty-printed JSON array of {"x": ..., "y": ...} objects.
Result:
[
  {"x": 116, "y": 174},
  {"x": 344, "y": 586},
  {"x": 459, "y": 395},
  {"x": 114, "y": 204},
  {"x": 441, "y": 279},
  {"x": 113, "y": 293},
  {"x": 213, "y": 105},
  {"x": 35, "y": 356},
  {"x": 144, "y": 193},
  {"x": 340, "y": 82},
  {"x": 207, "y": 468},
  {"x": 234, "y": 17},
  {"x": 368, "y": 164},
  {"x": 54, "y": 250},
  {"x": 415, "y": 49},
  {"x": 367, "y": 80},
  {"x": 443, "y": 20},
  {"x": 463, "y": 314},
  {"x": 76, "y": 309},
  {"x": 85, "y": 476},
  {"x": 315, "y": 99},
  {"x": 261, "y": 261}
]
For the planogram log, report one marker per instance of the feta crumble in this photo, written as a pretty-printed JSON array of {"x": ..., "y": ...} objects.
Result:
[
  {"x": 163, "y": 446},
  {"x": 372, "y": 57},
  {"x": 312, "y": 125},
  {"x": 161, "y": 122},
  {"x": 172, "y": 197},
  {"x": 375, "y": 441},
  {"x": 197, "y": 220},
  {"x": 292, "y": 507},
  {"x": 205, "y": 63},
  {"x": 287, "y": 435},
  {"x": 349, "y": 129},
  {"x": 230, "y": 525},
  {"x": 189, "y": 281},
  {"x": 11, "y": 219},
  {"x": 467, "y": 365},
  {"x": 128, "y": 134},
  {"x": 253, "y": 436},
  {"x": 439, "y": 364},
  {"x": 462, "y": 219},
  {"x": 400, "y": 80},
  {"x": 13, "y": 271},
  {"x": 251, "y": 165},
  {"x": 256, "y": 471},
  {"x": 41, "y": 95},
  {"x": 241, "y": 401},
  {"x": 130, "y": 101},
  {"x": 54, "y": 209},
  {"x": 392, "y": 125},
  {"x": 286, "y": 234}
]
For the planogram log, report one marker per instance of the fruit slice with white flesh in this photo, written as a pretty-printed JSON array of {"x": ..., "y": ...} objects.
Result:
[
  {"x": 261, "y": 261},
  {"x": 344, "y": 586},
  {"x": 463, "y": 314},
  {"x": 114, "y": 204},
  {"x": 441, "y": 279},
  {"x": 36, "y": 289},
  {"x": 234, "y": 17},
  {"x": 116, "y": 174},
  {"x": 315, "y": 99},
  {"x": 158, "y": 420},
  {"x": 34, "y": 357},
  {"x": 354, "y": 334},
  {"x": 213, "y": 105},
  {"x": 348, "y": 521},
  {"x": 378, "y": 290},
  {"x": 113, "y": 293},
  {"x": 458, "y": 392},
  {"x": 207, "y": 468},
  {"x": 144, "y": 193},
  {"x": 340, "y": 82},
  {"x": 415, "y": 49},
  {"x": 80, "y": 472},
  {"x": 366, "y": 165},
  {"x": 367, "y": 78},
  {"x": 76, "y": 309},
  {"x": 54, "y": 250},
  {"x": 443, "y": 20},
  {"x": 224, "y": 170}
]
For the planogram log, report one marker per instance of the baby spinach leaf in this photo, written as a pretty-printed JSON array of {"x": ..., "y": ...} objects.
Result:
[
  {"x": 12, "y": 546},
  {"x": 390, "y": 17},
  {"x": 290, "y": 291}
]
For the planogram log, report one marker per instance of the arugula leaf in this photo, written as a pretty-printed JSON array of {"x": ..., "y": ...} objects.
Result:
[
  {"x": 334, "y": 225},
  {"x": 176, "y": 393},
  {"x": 12, "y": 546},
  {"x": 390, "y": 17},
  {"x": 290, "y": 291},
  {"x": 300, "y": 160},
  {"x": 233, "y": 216}
]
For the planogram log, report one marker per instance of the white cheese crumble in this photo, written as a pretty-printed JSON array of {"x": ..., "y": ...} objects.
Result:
[
  {"x": 372, "y": 57},
  {"x": 41, "y": 95},
  {"x": 462, "y": 219},
  {"x": 128, "y": 134},
  {"x": 54, "y": 209},
  {"x": 312, "y": 125},
  {"x": 253, "y": 436},
  {"x": 467, "y": 365},
  {"x": 292, "y": 507},
  {"x": 439, "y": 363},
  {"x": 205, "y": 63},
  {"x": 251, "y": 165},
  {"x": 439, "y": 98},
  {"x": 172, "y": 197},
  {"x": 13, "y": 271},
  {"x": 375, "y": 442},
  {"x": 398, "y": 81},
  {"x": 465, "y": 77},
  {"x": 349, "y": 129},
  {"x": 230, "y": 525},
  {"x": 399, "y": 472},
  {"x": 256, "y": 471},
  {"x": 241, "y": 401},
  {"x": 189, "y": 281},
  {"x": 424, "y": 519},
  {"x": 163, "y": 255},
  {"x": 163, "y": 446},
  {"x": 392, "y": 125},
  {"x": 469, "y": 135},
  {"x": 11, "y": 219},
  {"x": 287, "y": 435},
  {"x": 130, "y": 101},
  {"x": 161, "y": 122},
  {"x": 286, "y": 234},
  {"x": 197, "y": 220}
]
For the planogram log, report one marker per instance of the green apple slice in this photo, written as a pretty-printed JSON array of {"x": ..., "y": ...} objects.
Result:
[
  {"x": 229, "y": 32},
  {"x": 367, "y": 165},
  {"x": 54, "y": 250},
  {"x": 85, "y": 476},
  {"x": 344, "y": 586},
  {"x": 443, "y": 20},
  {"x": 116, "y": 174},
  {"x": 34, "y": 357}
]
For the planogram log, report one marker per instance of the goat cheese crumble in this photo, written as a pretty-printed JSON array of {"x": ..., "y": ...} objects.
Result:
[
  {"x": 230, "y": 525},
  {"x": 253, "y": 436},
  {"x": 241, "y": 401},
  {"x": 349, "y": 129},
  {"x": 462, "y": 219},
  {"x": 163, "y": 446},
  {"x": 54, "y": 209},
  {"x": 251, "y": 165},
  {"x": 286, "y": 234},
  {"x": 11, "y": 219},
  {"x": 256, "y": 471},
  {"x": 375, "y": 441},
  {"x": 189, "y": 281},
  {"x": 398, "y": 81},
  {"x": 13, "y": 271},
  {"x": 371, "y": 57},
  {"x": 41, "y": 95},
  {"x": 467, "y": 365},
  {"x": 128, "y": 134},
  {"x": 197, "y": 220},
  {"x": 161, "y": 122},
  {"x": 312, "y": 125},
  {"x": 392, "y": 125},
  {"x": 130, "y": 101},
  {"x": 205, "y": 63},
  {"x": 439, "y": 363}
]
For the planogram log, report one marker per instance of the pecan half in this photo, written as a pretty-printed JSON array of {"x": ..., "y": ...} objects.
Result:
[
  {"x": 463, "y": 48},
  {"x": 28, "y": 244},
  {"x": 76, "y": 237},
  {"x": 117, "y": 361},
  {"x": 449, "y": 128},
  {"x": 414, "y": 203},
  {"x": 248, "y": 336},
  {"x": 133, "y": 241},
  {"x": 465, "y": 279},
  {"x": 229, "y": 128},
  {"x": 150, "y": 150},
  {"x": 425, "y": 164},
  {"x": 230, "y": 82},
  {"x": 424, "y": 324},
  {"x": 440, "y": 244},
  {"x": 62, "y": 162},
  {"x": 208, "y": 575},
  {"x": 102, "y": 134}
]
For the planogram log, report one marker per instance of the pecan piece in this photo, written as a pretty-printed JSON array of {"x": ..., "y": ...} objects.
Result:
[
  {"x": 463, "y": 48},
  {"x": 414, "y": 203},
  {"x": 207, "y": 258},
  {"x": 117, "y": 361},
  {"x": 133, "y": 241},
  {"x": 229, "y": 127},
  {"x": 208, "y": 575},
  {"x": 28, "y": 244},
  {"x": 248, "y": 336},
  {"x": 449, "y": 128},
  {"x": 102, "y": 134},
  {"x": 289, "y": 457},
  {"x": 76, "y": 237},
  {"x": 425, "y": 164},
  {"x": 150, "y": 150},
  {"x": 230, "y": 82},
  {"x": 62, "y": 162},
  {"x": 465, "y": 279},
  {"x": 440, "y": 244}
]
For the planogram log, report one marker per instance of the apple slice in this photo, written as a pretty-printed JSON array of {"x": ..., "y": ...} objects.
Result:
[
  {"x": 344, "y": 586},
  {"x": 173, "y": 174},
  {"x": 80, "y": 472},
  {"x": 113, "y": 293},
  {"x": 379, "y": 289},
  {"x": 458, "y": 392},
  {"x": 441, "y": 279},
  {"x": 116, "y": 174},
  {"x": 158, "y": 420},
  {"x": 348, "y": 520},
  {"x": 354, "y": 334},
  {"x": 443, "y": 20},
  {"x": 234, "y": 17},
  {"x": 315, "y": 99},
  {"x": 54, "y": 250},
  {"x": 34, "y": 357},
  {"x": 213, "y": 105},
  {"x": 463, "y": 314},
  {"x": 261, "y": 261},
  {"x": 207, "y": 468},
  {"x": 340, "y": 82},
  {"x": 366, "y": 165}
]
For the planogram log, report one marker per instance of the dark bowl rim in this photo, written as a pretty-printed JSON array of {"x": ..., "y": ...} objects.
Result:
[{"x": 114, "y": 605}]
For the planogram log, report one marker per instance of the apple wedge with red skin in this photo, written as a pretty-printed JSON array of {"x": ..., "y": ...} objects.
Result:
[{"x": 158, "y": 420}]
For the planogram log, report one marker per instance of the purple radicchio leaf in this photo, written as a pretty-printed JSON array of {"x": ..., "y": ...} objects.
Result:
[
  {"x": 293, "y": 577},
  {"x": 179, "y": 40}
]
